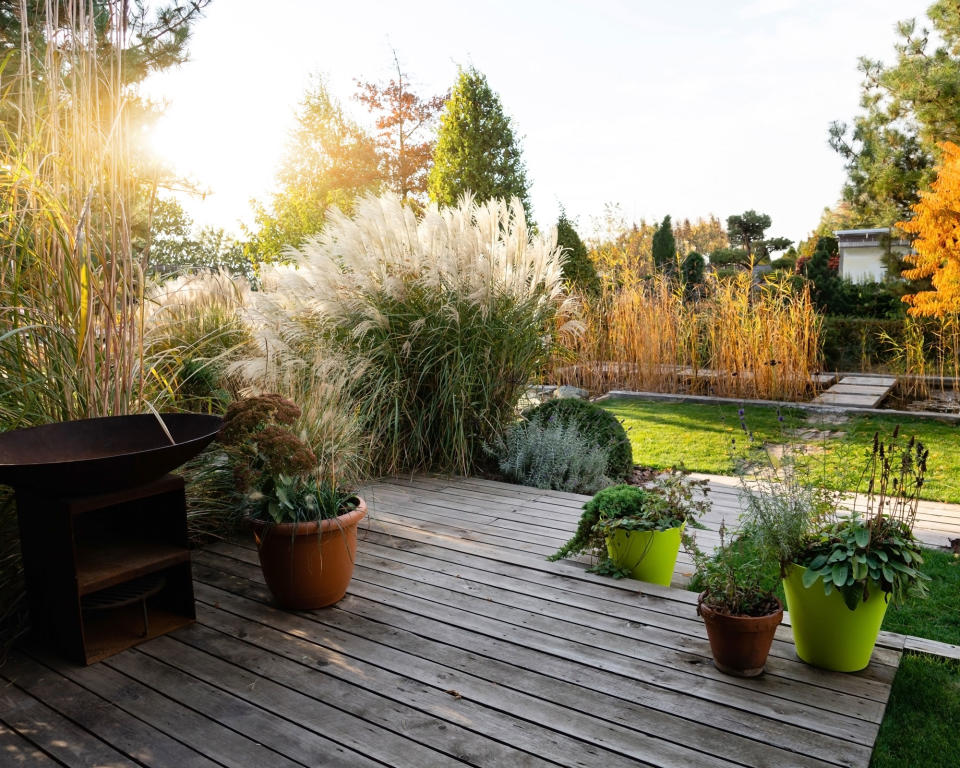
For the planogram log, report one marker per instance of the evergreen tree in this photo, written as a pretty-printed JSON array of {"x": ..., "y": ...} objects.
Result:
[
  {"x": 826, "y": 286},
  {"x": 909, "y": 107},
  {"x": 578, "y": 270},
  {"x": 476, "y": 149},
  {"x": 747, "y": 230},
  {"x": 664, "y": 245},
  {"x": 693, "y": 267}
]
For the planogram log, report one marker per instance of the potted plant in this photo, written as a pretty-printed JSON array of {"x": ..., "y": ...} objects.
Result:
[
  {"x": 841, "y": 565},
  {"x": 637, "y": 531},
  {"x": 305, "y": 526},
  {"x": 738, "y": 604}
]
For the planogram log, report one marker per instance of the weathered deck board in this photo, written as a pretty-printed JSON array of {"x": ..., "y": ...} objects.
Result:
[
  {"x": 458, "y": 644},
  {"x": 860, "y": 391}
]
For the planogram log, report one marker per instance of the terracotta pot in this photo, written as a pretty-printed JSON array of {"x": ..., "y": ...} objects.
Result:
[
  {"x": 740, "y": 644},
  {"x": 308, "y": 565}
]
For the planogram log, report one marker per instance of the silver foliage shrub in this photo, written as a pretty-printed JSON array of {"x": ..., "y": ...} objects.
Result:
[{"x": 552, "y": 456}]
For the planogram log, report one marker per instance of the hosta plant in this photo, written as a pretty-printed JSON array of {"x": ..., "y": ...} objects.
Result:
[{"x": 874, "y": 548}]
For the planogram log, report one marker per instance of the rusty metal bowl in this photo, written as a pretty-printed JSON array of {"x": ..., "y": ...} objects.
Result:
[{"x": 92, "y": 456}]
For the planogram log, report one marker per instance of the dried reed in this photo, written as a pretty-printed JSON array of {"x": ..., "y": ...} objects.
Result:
[{"x": 737, "y": 340}]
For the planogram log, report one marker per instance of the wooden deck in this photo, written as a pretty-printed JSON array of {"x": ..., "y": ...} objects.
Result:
[{"x": 457, "y": 644}]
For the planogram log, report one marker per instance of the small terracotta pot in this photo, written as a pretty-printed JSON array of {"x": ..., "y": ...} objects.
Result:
[
  {"x": 740, "y": 644},
  {"x": 309, "y": 565}
]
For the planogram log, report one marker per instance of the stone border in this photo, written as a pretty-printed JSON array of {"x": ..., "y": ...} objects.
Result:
[{"x": 948, "y": 418}]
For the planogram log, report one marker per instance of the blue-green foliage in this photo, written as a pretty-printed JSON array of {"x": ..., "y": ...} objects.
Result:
[
  {"x": 596, "y": 425},
  {"x": 551, "y": 455}
]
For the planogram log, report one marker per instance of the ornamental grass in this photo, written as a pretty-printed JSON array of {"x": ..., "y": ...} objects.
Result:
[
  {"x": 734, "y": 340},
  {"x": 437, "y": 323}
]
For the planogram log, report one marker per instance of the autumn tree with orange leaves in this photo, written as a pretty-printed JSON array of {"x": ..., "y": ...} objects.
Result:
[
  {"x": 405, "y": 136},
  {"x": 936, "y": 229}
]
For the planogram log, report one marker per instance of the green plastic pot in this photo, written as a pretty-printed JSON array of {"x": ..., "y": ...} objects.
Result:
[
  {"x": 826, "y": 633},
  {"x": 647, "y": 555}
]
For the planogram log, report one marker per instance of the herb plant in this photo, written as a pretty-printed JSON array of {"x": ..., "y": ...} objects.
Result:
[
  {"x": 546, "y": 453},
  {"x": 737, "y": 579},
  {"x": 597, "y": 426}
]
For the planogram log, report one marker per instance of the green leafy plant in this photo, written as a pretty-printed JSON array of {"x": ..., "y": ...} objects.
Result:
[
  {"x": 549, "y": 454},
  {"x": 854, "y": 553},
  {"x": 301, "y": 499},
  {"x": 594, "y": 424},
  {"x": 669, "y": 501},
  {"x": 737, "y": 579},
  {"x": 795, "y": 520}
]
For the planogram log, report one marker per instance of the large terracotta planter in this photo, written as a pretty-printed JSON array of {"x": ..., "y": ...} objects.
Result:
[
  {"x": 740, "y": 644},
  {"x": 826, "y": 633},
  {"x": 647, "y": 555},
  {"x": 309, "y": 565}
]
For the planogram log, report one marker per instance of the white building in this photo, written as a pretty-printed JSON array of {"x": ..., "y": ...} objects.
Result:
[{"x": 864, "y": 252}]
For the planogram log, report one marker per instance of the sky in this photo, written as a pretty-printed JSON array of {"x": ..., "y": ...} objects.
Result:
[{"x": 688, "y": 108}]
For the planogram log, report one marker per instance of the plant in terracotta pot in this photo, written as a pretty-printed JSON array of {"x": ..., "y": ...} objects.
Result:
[
  {"x": 738, "y": 604},
  {"x": 843, "y": 561},
  {"x": 637, "y": 531},
  {"x": 305, "y": 525}
]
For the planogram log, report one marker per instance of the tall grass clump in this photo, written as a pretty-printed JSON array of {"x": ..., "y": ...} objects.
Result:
[
  {"x": 71, "y": 289},
  {"x": 193, "y": 330},
  {"x": 73, "y": 191},
  {"x": 735, "y": 339},
  {"x": 442, "y": 320},
  {"x": 928, "y": 349}
]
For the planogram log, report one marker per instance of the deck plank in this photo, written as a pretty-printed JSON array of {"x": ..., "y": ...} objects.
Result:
[
  {"x": 458, "y": 643},
  {"x": 126, "y": 733},
  {"x": 622, "y": 699}
]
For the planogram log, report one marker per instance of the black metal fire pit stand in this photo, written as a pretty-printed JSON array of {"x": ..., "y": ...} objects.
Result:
[{"x": 81, "y": 554}]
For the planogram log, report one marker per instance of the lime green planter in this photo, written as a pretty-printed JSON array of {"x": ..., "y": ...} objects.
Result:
[
  {"x": 647, "y": 555},
  {"x": 827, "y": 634}
]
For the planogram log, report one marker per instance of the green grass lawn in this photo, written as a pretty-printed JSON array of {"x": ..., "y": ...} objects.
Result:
[
  {"x": 920, "y": 725},
  {"x": 919, "y": 728},
  {"x": 701, "y": 436},
  {"x": 936, "y": 617}
]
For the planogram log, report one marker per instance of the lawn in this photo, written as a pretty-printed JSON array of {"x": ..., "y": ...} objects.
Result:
[
  {"x": 919, "y": 726},
  {"x": 701, "y": 437}
]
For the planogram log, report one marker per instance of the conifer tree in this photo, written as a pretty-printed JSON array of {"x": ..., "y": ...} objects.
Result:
[
  {"x": 664, "y": 245},
  {"x": 578, "y": 270},
  {"x": 476, "y": 149}
]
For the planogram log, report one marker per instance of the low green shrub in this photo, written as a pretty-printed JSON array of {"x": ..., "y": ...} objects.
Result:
[
  {"x": 596, "y": 425},
  {"x": 856, "y": 343},
  {"x": 551, "y": 455},
  {"x": 668, "y": 501}
]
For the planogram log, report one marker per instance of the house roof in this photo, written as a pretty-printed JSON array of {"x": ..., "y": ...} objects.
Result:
[{"x": 876, "y": 231}]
